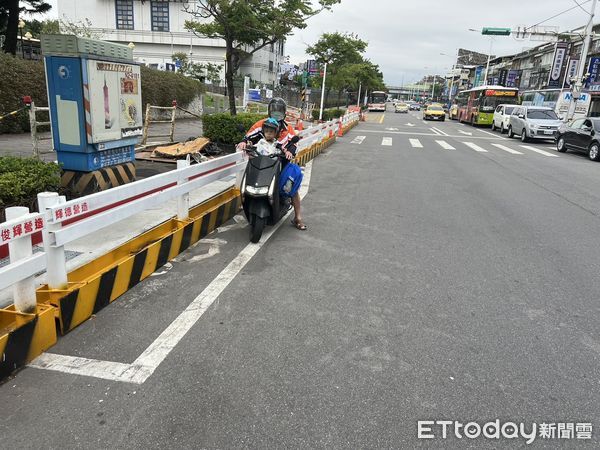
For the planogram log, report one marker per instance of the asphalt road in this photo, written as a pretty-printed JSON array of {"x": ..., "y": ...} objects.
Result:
[{"x": 441, "y": 278}]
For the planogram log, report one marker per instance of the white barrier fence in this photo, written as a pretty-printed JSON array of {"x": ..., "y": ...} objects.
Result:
[{"x": 62, "y": 222}]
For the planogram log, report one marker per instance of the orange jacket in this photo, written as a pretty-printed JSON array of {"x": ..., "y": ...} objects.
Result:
[{"x": 284, "y": 137}]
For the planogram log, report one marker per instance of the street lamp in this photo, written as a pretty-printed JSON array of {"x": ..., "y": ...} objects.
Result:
[{"x": 21, "y": 25}]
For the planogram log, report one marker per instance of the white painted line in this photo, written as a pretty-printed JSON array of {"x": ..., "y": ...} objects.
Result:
[
  {"x": 445, "y": 145},
  {"x": 468, "y": 133},
  {"x": 435, "y": 131},
  {"x": 416, "y": 143},
  {"x": 425, "y": 123},
  {"x": 440, "y": 131},
  {"x": 507, "y": 149},
  {"x": 409, "y": 125},
  {"x": 386, "y": 141},
  {"x": 496, "y": 135},
  {"x": 475, "y": 147},
  {"x": 358, "y": 140},
  {"x": 145, "y": 365},
  {"x": 541, "y": 152}
]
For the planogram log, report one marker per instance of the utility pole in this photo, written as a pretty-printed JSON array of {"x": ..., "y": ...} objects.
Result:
[
  {"x": 358, "y": 96},
  {"x": 323, "y": 92},
  {"x": 578, "y": 85}
]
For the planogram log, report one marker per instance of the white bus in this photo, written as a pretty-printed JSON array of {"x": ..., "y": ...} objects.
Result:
[
  {"x": 377, "y": 101},
  {"x": 559, "y": 100}
]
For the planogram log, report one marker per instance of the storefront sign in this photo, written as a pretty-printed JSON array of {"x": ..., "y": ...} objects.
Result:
[
  {"x": 594, "y": 71},
  {"x": 571, "y": 72},
  {"x": 560, "y": 54},
  {"x": 513, "y": 78}
]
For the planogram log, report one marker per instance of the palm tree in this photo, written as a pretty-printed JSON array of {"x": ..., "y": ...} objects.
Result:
[{"x": 10, "y": 10}]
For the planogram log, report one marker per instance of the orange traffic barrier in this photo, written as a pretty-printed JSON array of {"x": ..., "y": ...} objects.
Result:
[
  {"x": 299, "y": 125},
  {"x": 340, "y": 129}
]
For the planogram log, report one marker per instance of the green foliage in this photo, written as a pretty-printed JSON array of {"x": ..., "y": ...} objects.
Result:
[
  {"x": 328, "y": 114},
  {"x": 246, "y": 26},
  {"x": 199, "y": 71},
  {"x": 346, "y": 67},
  {"x": 21, "y": 179},
  {"x": 227, "y": 129},
  {"x": 19, "y": 77},
  {"x": 161, "y": 88}
]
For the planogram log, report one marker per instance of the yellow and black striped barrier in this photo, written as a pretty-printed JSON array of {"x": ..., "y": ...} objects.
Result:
[
  {"x": 24, "y": 336},
  {"x": 100, "y": 282},
  {"x": 86, "y": 183}
]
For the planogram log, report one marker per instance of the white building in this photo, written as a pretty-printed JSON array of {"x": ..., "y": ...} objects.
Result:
[{"x": 157, "y": 30}]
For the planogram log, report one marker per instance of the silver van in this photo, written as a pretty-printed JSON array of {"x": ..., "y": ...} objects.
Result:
[{"x": 533, "y": 122}]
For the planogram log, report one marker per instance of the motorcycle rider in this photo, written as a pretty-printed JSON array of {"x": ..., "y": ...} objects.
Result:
[{"x": 285, "y": 140}]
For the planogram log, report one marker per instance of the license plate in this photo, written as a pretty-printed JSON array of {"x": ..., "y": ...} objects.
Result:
[{"x": 548, "y": 132}]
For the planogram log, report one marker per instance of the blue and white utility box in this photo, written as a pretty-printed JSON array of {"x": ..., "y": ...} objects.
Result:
[{"x": 95, "y": 98}]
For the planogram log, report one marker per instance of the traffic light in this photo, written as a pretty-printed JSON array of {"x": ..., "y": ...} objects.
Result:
[{"x": 496, "y": 31}]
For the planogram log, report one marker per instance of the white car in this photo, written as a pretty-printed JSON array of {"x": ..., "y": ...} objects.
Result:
[{"x": 502, "y": 117}]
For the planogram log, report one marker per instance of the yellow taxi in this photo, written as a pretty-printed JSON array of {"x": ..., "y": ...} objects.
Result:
[
  {"x": 401, "y": 108},
  {"x": 434, "y": 112},
  {"x": 453, "y": 114}
]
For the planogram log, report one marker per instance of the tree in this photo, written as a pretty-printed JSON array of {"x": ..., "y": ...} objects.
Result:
[
  {"x": 199, "y": 71},
  {"x": 247, "y": 26},
  {"x": 346, "y": 67},
  {"x": 10, "y": 10}
]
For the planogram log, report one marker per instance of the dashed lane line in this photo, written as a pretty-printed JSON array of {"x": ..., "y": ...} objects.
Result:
[
  {"x": 416, "y": 143},
  {"x": 358, "y": 140},
  {"x": 387, "y": 141},
  {"x": 541, "y": 152},
  {"x": 475, "y": 147},
  {"x": 507, "y": 149},
  {"x": 445, "y": 145}
]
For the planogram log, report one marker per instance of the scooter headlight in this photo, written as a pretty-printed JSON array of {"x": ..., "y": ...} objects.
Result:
[{"x": 257, "y": 190}]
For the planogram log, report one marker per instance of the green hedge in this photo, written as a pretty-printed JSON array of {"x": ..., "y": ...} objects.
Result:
[
  {"x": 19, "y": 77},
  {"x": 227, "y": 129},
  {"x": 21, "y": 179},
  {"x": 328, "y": 114},
  {"x": 161, "y": 88}
]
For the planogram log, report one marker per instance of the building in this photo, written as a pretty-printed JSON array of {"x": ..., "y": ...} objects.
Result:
[{"x": 157, "y": 30}]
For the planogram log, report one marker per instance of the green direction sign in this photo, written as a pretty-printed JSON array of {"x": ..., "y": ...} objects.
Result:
[{"x": 496, "y": 31}]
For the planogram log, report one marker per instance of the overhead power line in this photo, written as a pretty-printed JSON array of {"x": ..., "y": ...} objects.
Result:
[{"x": 578, "y": 5}]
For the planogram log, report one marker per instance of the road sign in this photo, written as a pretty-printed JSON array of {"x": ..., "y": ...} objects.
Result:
[{"x": 496, "y": 31}]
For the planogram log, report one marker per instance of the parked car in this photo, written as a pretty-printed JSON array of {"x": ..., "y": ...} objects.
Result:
[
  {"x": 582, "y": 135},
  {"x": 401, "y": 108},
  {"x": 435, "y": 112},
  {"x": 453, "y": 113},
  {"x": 533, "y": 122},
  {"x": 502, "y": 117},
  {"x": 415, "y": 107}
]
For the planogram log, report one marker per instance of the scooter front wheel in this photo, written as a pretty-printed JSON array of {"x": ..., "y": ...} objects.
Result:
[{"x": 257, "y": 225}]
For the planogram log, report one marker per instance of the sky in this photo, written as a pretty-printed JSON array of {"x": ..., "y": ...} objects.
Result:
[{"x": 406, "y": 37}]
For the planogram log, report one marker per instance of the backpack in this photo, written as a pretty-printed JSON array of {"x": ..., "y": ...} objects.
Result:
[{"x": 290, "y": 180}]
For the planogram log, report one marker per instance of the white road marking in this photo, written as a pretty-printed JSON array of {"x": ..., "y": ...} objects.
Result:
[
  {"x": 468, "y": 133},
  {"x": 386, "y": 141},
  {"x": 358, "y": 140},
  {"x": 507, "y": 149},
  {"x": 496, "y": 135},
  {"x": 445, "y": 145},
  {"x": 437, "y": 133},
  {"x": 409, "y": 125},
  {"x": 425, "y": 123},
  {"x": 442, "y": 133},
  {"x": 541, "y": 152},
  {"x": 145, "y": 365},
  {"x": 475, "y": 147},
  {"x": 392, "y": 129},
  {"x": 416, "y": 143}
]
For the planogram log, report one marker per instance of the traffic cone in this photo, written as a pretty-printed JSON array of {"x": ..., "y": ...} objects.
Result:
[
  {"x": 299, "y": 125},
  {"x": 340, "y": 130}
]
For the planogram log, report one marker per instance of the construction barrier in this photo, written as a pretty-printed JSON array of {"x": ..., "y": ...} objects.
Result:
[{"x": 29, "y": 327}]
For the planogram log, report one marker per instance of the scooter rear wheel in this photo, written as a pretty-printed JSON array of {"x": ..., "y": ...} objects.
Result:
[{"x": 257, "y": 225}]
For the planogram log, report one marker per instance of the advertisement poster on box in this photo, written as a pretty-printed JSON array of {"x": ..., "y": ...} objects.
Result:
[{"x": 115, "y": 100}]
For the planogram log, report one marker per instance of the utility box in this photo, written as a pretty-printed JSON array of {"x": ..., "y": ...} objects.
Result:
[{"x": 95, "y": 98}]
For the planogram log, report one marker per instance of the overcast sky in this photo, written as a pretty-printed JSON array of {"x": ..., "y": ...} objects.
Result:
[{"x": 407, "y": 36}]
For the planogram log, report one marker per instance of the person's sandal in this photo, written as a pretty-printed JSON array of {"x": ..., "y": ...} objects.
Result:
[{"x": 299, "y": 224}]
